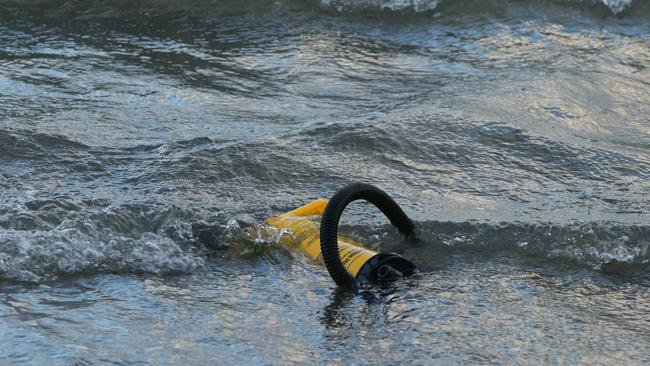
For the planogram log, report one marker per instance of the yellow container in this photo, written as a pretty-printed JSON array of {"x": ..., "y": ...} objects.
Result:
[{"x": 304, "y": 223}]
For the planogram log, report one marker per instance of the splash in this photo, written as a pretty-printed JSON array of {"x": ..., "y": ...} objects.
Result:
[
  {"x": 617, "y": 6},
  {"x": 34, "y": 257},
  {"x": 90, "y": 246}
]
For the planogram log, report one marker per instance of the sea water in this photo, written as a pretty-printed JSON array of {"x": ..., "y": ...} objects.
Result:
[{"x": 142, "y": 145}]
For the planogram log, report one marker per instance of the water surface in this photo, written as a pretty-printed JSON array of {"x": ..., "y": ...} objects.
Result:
[{"x": 141, "y": 144}]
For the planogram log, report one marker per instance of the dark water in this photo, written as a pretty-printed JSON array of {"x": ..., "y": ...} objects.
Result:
[{"x": 140, "y": 142}]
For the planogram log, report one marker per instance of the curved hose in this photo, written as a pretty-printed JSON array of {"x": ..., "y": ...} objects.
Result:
[{"x": 329, "y": 225}]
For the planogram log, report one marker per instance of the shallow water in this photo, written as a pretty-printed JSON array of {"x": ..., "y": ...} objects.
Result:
[{"x": 139, "y": 144}]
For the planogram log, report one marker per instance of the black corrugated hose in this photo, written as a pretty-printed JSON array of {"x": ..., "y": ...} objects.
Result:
[{"x": 329, "y": 225}]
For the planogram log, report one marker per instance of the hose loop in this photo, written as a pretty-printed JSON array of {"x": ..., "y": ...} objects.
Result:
[{"x": 330, "y": 222}]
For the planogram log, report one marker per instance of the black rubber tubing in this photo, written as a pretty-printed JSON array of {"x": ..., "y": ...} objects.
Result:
[{"x": 329, "y": 225}]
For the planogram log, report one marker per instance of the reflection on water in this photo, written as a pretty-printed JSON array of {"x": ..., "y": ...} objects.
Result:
[{"x": 487, "y": 311}]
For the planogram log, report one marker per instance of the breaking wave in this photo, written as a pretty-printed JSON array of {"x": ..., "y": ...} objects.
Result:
[
  {"x": 207, "y": 8},
  {"x": 615, "y": 6},
  {"x": 132, "y": 239}
]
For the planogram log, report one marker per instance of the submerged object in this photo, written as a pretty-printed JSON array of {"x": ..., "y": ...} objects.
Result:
[{"x": 347, "y": 261}]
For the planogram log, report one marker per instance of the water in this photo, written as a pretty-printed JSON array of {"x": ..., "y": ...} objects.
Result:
[{"x": 142, "y": 145}]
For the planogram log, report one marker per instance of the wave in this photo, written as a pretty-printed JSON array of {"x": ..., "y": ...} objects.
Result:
[
  {"x": 590, "y": 244},
  {"x": 126, "y": 239},
  {"x": 102, "y": 238},
  {"x": 207, "y": 8},
  {"x": 594, "y": 245},
  {"x": 420, "y": 6},
  {"x": 90, "y": 225}
]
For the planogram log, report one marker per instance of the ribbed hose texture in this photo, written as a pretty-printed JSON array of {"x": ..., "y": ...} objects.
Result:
[{"x": 329, "y": 225}]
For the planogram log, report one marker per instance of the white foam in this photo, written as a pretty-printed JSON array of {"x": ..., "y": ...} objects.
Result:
[
  {"x": 38, "y": 255},
  {"x": 394, "y": 5},
  {"x": 616, "y": 6}
]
